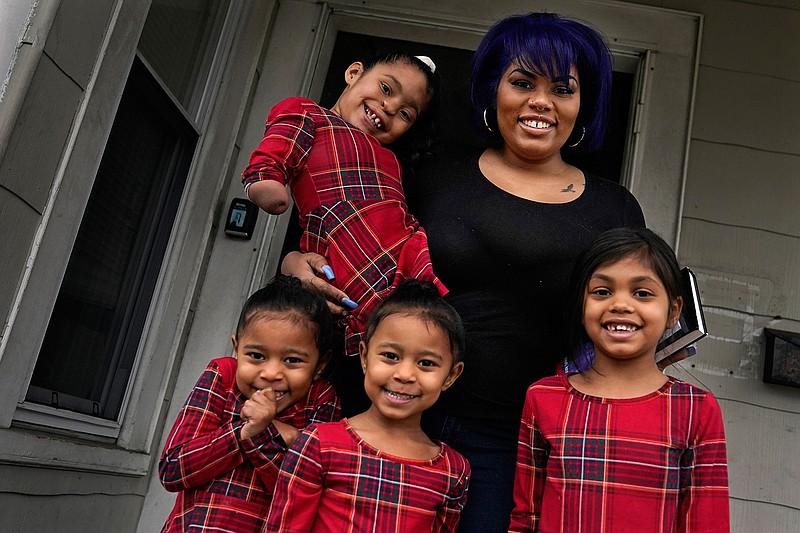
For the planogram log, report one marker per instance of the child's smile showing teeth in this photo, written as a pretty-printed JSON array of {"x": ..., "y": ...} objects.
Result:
[
  {"x": 376, "y": 120},
  {"x": 626, "y": 309},
  {"x": 383, "y": 100},
  {"x": 399, "y": 396},
  {"x": 621, "y": 327},
  {"x": 276, "y": 353},
  {"x": 407, "y": 363},
  {"x": 279, "y": 394}
]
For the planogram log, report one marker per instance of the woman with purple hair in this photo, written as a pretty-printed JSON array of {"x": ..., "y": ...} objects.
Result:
[{"x": 505, "y": 225}]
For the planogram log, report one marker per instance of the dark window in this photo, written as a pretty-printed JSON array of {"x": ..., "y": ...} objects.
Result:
[{"x": 90, "y": 346}]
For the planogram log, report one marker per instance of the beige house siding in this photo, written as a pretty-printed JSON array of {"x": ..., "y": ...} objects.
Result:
[
  {"x": 739, "y": 229},
  {"x": 741, "y": 233},
  {"x": 49, "y": 79}
]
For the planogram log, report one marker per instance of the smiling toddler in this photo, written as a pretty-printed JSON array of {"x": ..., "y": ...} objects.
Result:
[
  {"x": 224, "y": 450},
  {"x": 378, "y": 471}
]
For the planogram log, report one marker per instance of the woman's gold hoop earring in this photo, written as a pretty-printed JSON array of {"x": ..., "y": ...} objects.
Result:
[
  {"x": 583, "y": 133},
  {"x": 486, "y": 122}
]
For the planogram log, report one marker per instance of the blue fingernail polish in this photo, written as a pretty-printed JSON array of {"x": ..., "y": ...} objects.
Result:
[
  {"x": 328, "y": 271},
  {"x": 349, "y": 303},
  {"x": 692, "y": 349}
]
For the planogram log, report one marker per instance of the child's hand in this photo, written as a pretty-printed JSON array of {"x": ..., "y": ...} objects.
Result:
[{"x": 258, "y": 412}]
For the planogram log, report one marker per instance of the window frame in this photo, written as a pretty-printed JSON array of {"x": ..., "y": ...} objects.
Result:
[
  {"x": 71, "y": 438},
  {"x": 149, "y": 250}
]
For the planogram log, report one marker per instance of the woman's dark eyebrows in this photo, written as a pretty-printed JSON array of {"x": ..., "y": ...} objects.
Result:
[
  {"x": 525, "y": 72},
  {"x": 530, "y": 74}
]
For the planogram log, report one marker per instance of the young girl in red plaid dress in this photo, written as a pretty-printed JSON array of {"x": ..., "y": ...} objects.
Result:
[
  {"x": 378, "y": 471},
  {"x": 223, "y": 453},
  {"x": 347, "y": 183},
  {"x": 621, "y": 447}
]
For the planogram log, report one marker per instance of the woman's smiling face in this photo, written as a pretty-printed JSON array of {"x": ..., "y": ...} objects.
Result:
[{"x": 536, "y": 114}]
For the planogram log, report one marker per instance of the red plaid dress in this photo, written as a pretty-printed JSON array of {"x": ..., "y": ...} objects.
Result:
[
  {"x": 224, "y": 483},
  {"x": 349, "y": 193},
  {"x": 653, "y": 464},
  {"x": 331, "y": 480}
]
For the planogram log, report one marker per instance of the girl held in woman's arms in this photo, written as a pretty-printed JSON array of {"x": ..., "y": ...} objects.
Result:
[{"x": 347, "y": 183}]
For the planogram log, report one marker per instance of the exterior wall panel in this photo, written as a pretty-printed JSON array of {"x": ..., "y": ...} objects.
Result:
[
  {"x": 741, "y": 231},
  {"x": 75, "y": 52},
  {"x": 43, "y": 125},
  {"x": 744, "y": 187},
  {"x": 748, "y": 36},
  {"x": 748, "y": 109}
]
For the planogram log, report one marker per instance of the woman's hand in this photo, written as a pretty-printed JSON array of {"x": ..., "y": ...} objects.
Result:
[{"x": 313, "y": 270}]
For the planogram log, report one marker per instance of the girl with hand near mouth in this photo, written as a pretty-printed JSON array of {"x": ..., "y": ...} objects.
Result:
[
  {"x": 378, "y": 471},
  {"x": 347, "y": 183},
  {"x": 621, "y": 447},
  {"x": 223, "y": 453}
]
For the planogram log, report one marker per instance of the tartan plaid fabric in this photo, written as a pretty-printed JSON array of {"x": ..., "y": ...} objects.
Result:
[
  {"x": 224, "y": 483},
  {"x": 349, "y": 193},
  {"x": 586, "y": 464},
  {"x": 331, "y": 480}
]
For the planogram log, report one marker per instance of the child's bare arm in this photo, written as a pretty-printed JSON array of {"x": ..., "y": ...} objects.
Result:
[{"x": 269, "y": 195}]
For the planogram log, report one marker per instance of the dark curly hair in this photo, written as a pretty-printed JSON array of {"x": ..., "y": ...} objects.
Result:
[
  {"x": 422, "y": 299},
  {"x": 285, "y": 295}
]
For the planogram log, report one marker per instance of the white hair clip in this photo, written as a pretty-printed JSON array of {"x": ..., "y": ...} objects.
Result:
[{"x": 428, "y": 61}]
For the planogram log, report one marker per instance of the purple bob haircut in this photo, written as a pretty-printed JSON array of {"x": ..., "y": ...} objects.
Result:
[{"x": 547, "y": 44}]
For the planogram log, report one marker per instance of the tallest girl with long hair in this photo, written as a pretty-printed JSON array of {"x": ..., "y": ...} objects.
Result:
[{"x": 621, "y": 447}]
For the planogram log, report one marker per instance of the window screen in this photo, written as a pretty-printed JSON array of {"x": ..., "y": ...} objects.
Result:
[{"x": 91, "y": 341}]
